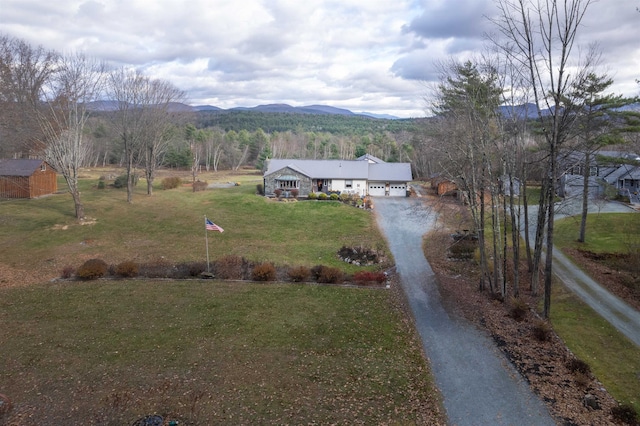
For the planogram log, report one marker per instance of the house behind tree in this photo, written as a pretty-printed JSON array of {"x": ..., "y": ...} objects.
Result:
[{"x": 617, "y": 169}]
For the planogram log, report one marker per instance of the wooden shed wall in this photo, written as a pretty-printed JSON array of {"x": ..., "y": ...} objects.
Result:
[
  {"x": 14, "y": 187},
  {"x": 41, "y": 182}
]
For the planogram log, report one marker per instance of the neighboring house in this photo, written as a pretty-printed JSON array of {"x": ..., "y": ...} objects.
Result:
[
  {"x": 615, "y": 168},
  {"x": 23, "y": 178},
  {"x": 366, "y": 175}
]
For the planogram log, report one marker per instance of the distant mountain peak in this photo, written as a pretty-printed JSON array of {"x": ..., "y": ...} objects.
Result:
[{"x": 272, "y": 108}]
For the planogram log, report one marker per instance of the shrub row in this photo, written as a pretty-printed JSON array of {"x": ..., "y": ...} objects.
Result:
[
  {"x": 353, "y": 199},
  {"x": 226, "y": 268},
  {"x": 368, "y": 277}
]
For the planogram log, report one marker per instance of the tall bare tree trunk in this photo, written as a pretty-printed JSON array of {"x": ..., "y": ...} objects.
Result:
[{"x": 585, "y": 198}]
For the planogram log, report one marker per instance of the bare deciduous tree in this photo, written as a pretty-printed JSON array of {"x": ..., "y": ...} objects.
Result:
[
  {"x": 24, "y": 71},
  {"x": 540, "y": 36},
  {"x": 141, "y": 119},
  {"x": 78, "y": 81}
]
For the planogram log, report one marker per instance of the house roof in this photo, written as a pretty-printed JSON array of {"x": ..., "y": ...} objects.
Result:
[
  {"x": 390, "y": 172},
  {"x": 19, "y": 167},
  {"x": 370, "y": 158},
  {"x": 344, "y": 169},
  {"x": 633, "y": 174},
  {"x": 619, "y": 172},
  {"x": 322, "y": 169}
]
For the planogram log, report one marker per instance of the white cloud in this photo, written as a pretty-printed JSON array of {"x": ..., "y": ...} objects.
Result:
[{"x": 370, "y": 55}]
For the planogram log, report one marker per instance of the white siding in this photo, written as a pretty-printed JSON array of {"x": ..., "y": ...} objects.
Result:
[{"x": 357, "y": 186}]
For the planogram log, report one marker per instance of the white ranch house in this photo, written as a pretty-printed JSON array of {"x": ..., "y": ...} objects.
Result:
[{"x": 364, "y": 176}]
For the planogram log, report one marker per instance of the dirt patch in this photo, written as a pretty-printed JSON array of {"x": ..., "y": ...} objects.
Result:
[
  {"x": 614, "y": 271},
  {"x": 573, "y": 397}
]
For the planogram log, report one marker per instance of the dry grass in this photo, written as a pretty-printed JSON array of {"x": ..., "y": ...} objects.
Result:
[
  {"x": 201, "y": 352},
  {"x": 205, "y": 352}
]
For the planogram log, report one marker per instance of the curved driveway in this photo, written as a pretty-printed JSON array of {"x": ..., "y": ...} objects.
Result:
[
  {"x": 479, "y": 386},
  {"x": 621, "y": 315}
]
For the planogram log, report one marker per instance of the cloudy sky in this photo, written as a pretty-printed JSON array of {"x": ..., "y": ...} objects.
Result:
[{"x": 364, "y": 55}]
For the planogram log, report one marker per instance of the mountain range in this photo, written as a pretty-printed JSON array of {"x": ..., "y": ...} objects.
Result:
[
  {"x": 527, "y": 110},
  {"x": 278, "y": 108}
]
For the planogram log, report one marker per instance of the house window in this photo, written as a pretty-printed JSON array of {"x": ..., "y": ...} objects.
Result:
[
  {"x": 348, "y": 184},
  {"x": 289, "y": 184},
  {"x": 43, "y": 167}
]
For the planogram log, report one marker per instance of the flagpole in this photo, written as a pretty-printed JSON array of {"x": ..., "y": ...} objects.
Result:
[{"x": 206, "y": 239}]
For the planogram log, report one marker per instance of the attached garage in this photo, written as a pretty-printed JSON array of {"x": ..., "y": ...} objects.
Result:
[
  {"x": 398, "y": 190},
  {"x": 376, "y": 189}
]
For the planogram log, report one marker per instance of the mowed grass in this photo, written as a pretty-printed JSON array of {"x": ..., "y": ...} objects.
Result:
[
  {"x": 200, "y": 352},
  {"x": 605, "y": 232},
  {"x": 207, "y": 352},
  {"x": 170, "y": 225},
  {"x": 612, "y": 357}
]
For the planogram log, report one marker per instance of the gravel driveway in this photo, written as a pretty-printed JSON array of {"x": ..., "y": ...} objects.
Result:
[
  {"x": 618, "y": 313},
  {"x": 479, "y": 386}
]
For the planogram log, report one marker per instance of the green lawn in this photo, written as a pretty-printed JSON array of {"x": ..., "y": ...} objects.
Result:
[
  {"x": 606, "y": 232},
  {"x": 170, "y": 225},
  {"x": 201, "y": 352},
  {"x": 612, "y": 357},
  {"x": 207, "y": 352}
]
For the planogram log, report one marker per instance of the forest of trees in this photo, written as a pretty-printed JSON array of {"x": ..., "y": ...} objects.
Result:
[{"x": 282, "y": 122}]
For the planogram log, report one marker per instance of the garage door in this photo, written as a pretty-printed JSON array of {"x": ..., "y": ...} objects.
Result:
[
  {"x": 376, "y": 189},
  {"x": 398, "y": 190}
]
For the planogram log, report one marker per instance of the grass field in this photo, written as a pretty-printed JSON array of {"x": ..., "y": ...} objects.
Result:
[
  {"x": 170, "y": 225},
  {"x": 612, "y": 357},
  {"x": 605, "y": 232},
  {"x": 200, "y": 351},
  {"x": 208, "y": 352}
]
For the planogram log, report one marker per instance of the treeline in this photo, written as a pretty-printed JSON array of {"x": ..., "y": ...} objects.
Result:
[
  {"x": 282, "y": 122},
  {"x": 192, "y": 143}
]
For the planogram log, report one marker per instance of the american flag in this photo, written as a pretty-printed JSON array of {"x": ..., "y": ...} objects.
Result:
[{"x": 210, "y": 226}]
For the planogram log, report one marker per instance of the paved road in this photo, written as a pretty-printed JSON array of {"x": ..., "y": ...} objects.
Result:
[
  {"x": 622, "y": 316},
  {"x": 479, "y": 386}
]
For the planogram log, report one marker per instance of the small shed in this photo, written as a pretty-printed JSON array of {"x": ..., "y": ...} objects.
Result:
[
  {"x": 443, "y": 185},
  {"x": 26, "y": 178}
]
